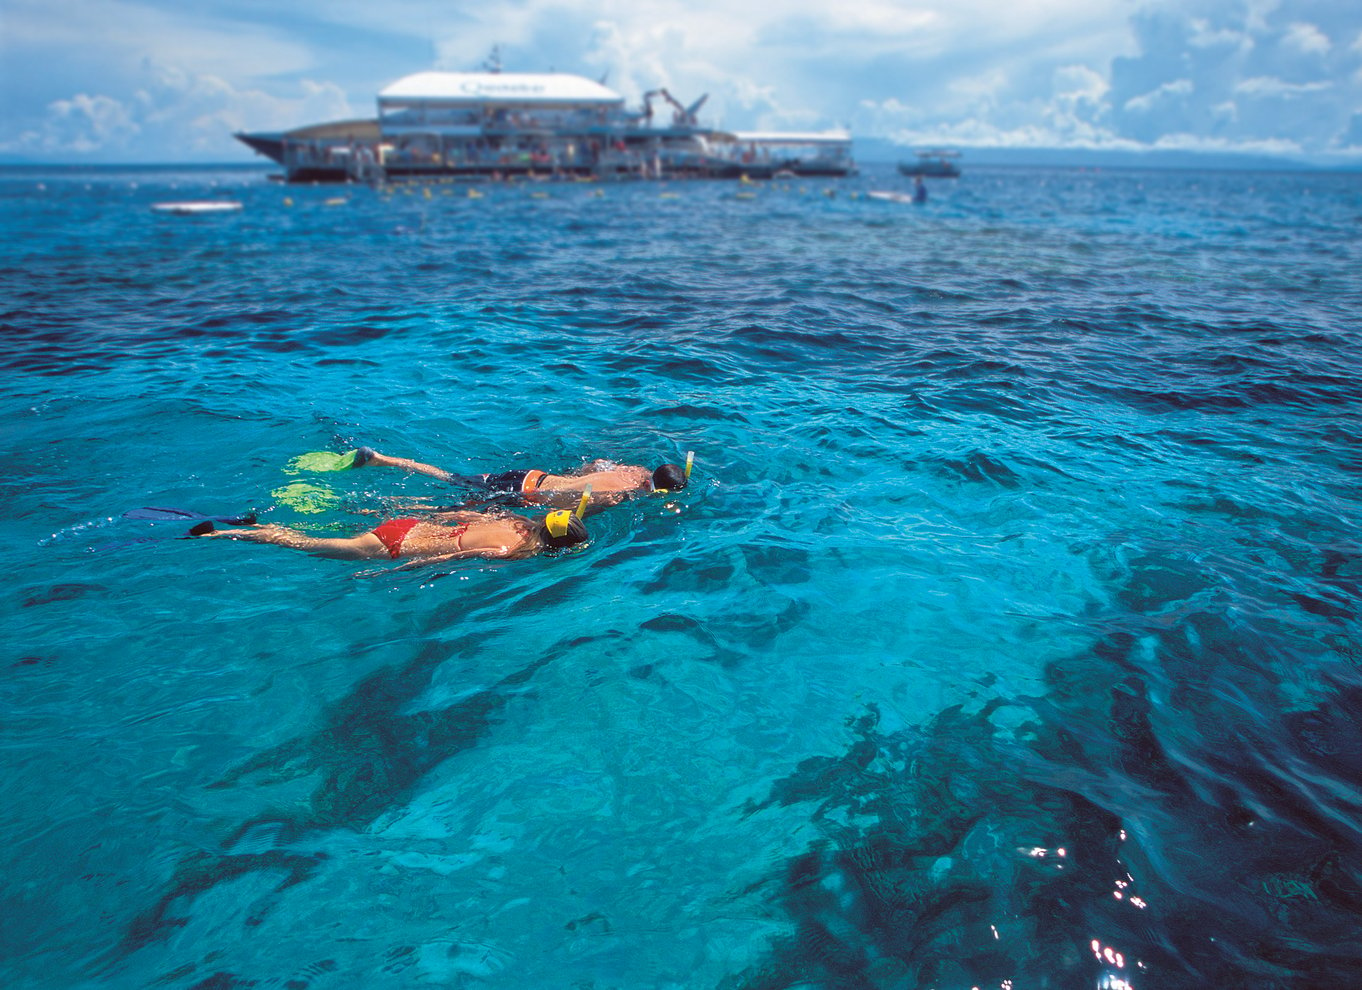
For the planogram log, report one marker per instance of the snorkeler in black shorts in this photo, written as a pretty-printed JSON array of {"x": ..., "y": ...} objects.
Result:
[
  {"x": 609, "y": 482},
  {"x": 509, "y": 482}
]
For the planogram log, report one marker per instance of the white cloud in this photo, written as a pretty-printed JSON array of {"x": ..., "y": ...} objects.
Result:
[
  {"x": 1080, "y": 84},
  {"x": 1307, "y": 39},
  {"x": 986, "y": 86},
  {"x": 130, "y": 32},
  {"x": 167, "y": 78},
  {"x": 703, "y": 42},
  {"x": 87, "y": 123},
  {"x": 1204, "y": 35},
  {"x": 81, "y": 125},
  {"x": 879, "y": 19},
  {"x": 1270, "y": 86},
  {"x": 1258, "y": 12},
  {"x": 980, "y": 134},
  {"x": 1146, "y": 102},
  {"x": 1200, "y": 142},
  {"x": 191, "y": 114}
]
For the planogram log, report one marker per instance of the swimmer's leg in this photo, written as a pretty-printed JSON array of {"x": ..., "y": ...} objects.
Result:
[{"x": 366, "y": 546}]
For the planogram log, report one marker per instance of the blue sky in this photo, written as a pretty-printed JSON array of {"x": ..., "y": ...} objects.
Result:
[{"x": 154, "y": 80}]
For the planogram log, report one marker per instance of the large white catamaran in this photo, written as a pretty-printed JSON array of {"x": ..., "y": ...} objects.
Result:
[{"x": 492, "y": 124}]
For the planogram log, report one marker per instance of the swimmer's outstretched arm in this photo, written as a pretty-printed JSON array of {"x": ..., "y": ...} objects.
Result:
[
  {"x": 408, "y": 566},
  {"x": 422, "y": 505},
  {"x": 442, "y": 558},
  {"x": 569, "y": 498},
  {"x": 406, "y": 464},
  {"x": 499, "y": 553}
]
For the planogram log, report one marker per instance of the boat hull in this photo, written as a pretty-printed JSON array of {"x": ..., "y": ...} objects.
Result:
[{"x": 360, "y": 151}]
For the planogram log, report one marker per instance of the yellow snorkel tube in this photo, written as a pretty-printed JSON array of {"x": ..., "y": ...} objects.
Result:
[
  {"x": 690, "y": 463},
  {"x": 556, "y": 522}
]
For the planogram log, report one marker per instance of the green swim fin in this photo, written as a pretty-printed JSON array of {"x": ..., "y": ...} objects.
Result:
[
  {"x": 302, "y": 497},
  {"x": 325, "y": 460}
]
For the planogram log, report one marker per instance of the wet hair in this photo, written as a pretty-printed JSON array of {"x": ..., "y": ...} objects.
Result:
[
  {"x": 575, "y": 534},
  {"x": 669, "y": 476}
]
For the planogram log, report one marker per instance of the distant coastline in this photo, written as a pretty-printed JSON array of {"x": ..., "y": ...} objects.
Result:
[{"x": 879, "y": 151}]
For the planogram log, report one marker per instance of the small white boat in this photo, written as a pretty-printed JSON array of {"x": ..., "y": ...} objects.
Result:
[
  {"x": 889, "y": 196},
  {"x": 197, "y": 206}
]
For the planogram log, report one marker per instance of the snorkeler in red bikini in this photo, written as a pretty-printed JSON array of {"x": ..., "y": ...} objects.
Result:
[{"x": 438, "y": 537}]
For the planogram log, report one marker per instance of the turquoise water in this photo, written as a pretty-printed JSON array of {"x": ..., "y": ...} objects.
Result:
[{"x": 1007, "y": 635}]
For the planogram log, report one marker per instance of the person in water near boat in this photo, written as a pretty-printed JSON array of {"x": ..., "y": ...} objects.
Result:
[
  {"x": 609, "y": 482},
  {"x": 438, "y": 537}
]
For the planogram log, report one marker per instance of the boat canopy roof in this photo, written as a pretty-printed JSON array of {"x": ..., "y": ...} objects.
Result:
[
  {"x": 792, "y": 137},
  {"x": 509, "y": 88},
  {"x": 336, "y": 130}
]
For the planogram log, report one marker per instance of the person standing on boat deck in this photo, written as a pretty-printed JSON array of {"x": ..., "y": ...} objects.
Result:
[{"x": 609, "y": 482}]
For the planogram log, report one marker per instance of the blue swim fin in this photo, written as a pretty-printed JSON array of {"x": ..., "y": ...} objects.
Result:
[{"x": 156, "y": 513}]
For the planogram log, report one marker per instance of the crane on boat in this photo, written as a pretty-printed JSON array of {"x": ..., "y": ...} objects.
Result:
[{"x": 682, "y": 116}]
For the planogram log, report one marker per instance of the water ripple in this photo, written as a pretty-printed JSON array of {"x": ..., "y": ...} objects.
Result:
[{"x": 1008, "y": 630}]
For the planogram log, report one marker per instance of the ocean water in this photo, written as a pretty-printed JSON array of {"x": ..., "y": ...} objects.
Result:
[{"x": 1007, "y": 635}]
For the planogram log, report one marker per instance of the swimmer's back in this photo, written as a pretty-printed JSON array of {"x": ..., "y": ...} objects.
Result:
[{"x": 621, "y": 478}]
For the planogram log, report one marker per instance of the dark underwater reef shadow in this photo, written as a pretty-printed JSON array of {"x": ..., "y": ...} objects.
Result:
[
  {"x": 1107, "y": 836},
  {"x": 367, "y": 757}
]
